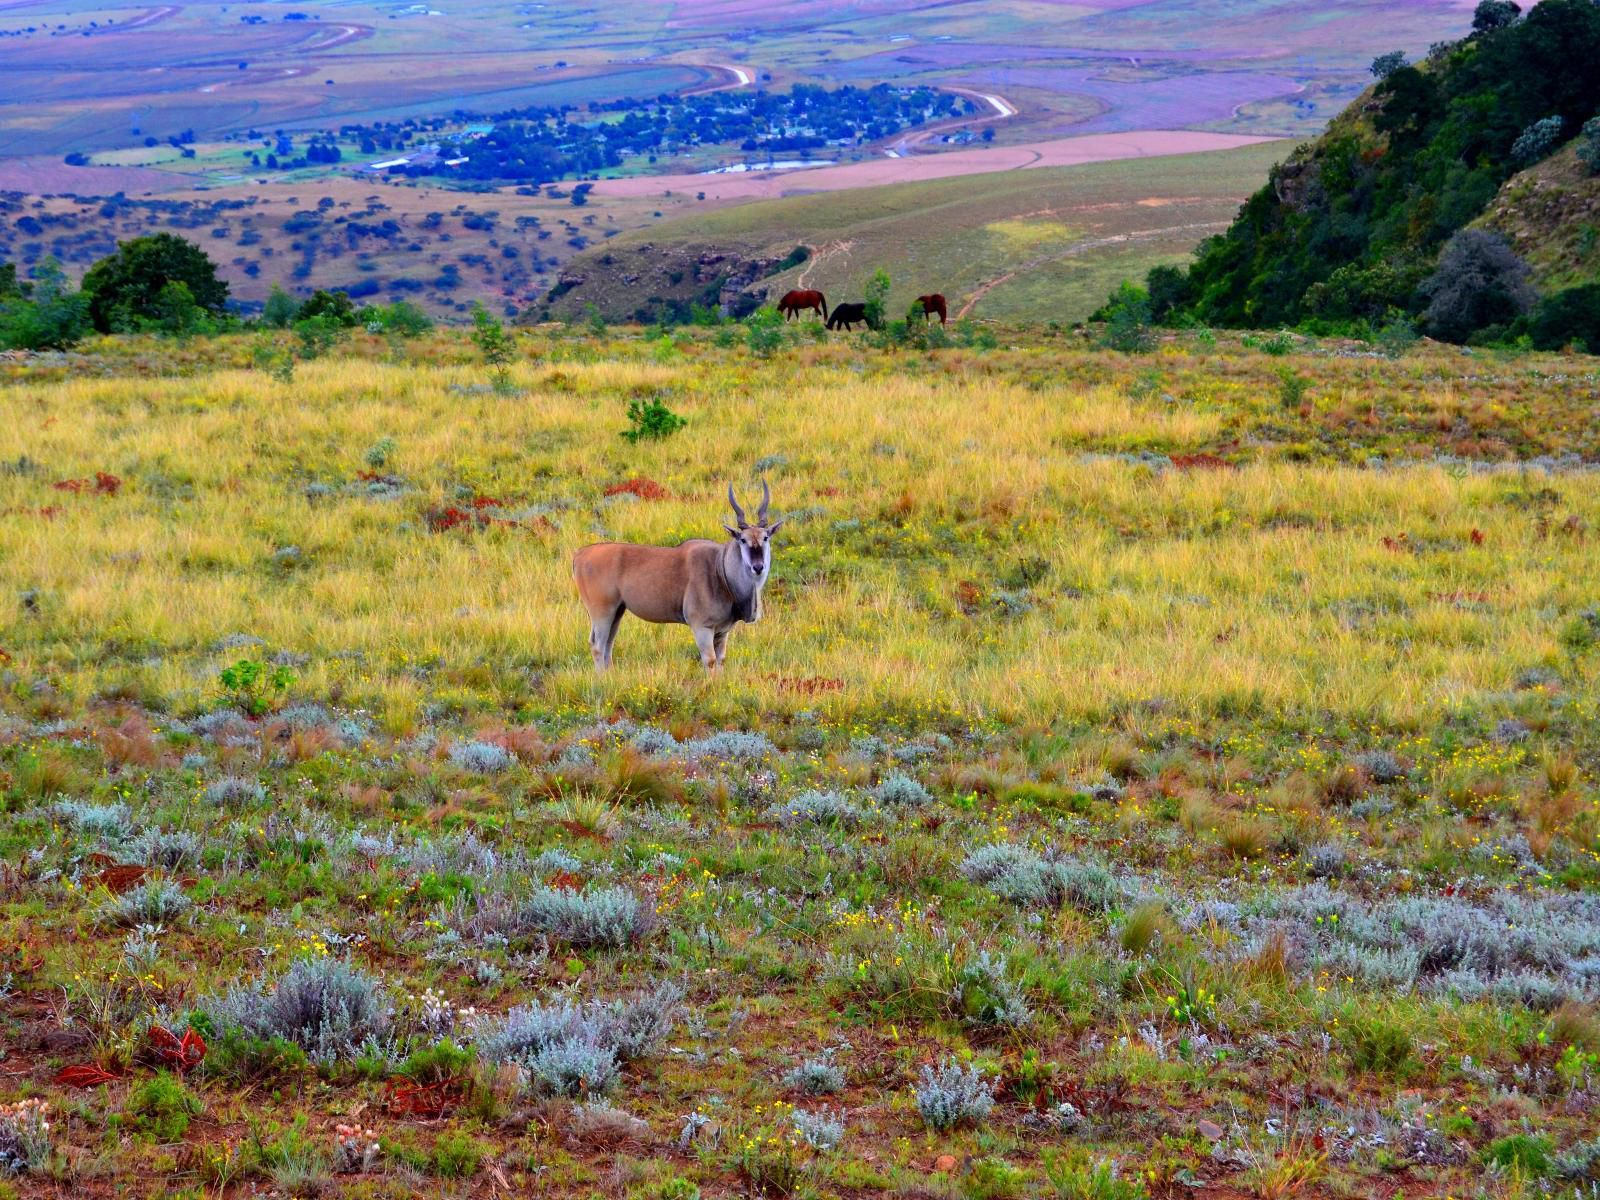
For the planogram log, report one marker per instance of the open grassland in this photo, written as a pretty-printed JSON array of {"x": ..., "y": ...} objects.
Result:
[{"x": 1149, "y": 778}]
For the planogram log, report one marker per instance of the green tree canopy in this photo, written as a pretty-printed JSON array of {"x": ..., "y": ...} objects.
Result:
[
  {"x": 44, "y": 315},
  {"x": 124, "y": 287},
  {"x": 336, "y": 306},
  {"x": 280, "y": 309},
  {"x": 9, "y": 284}
]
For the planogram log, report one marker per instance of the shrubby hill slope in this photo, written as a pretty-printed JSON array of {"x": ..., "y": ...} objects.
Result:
[{"x": 1497, "y": 130}]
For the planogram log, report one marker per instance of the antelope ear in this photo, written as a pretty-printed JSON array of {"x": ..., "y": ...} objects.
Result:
[
  {"x": 775, "y": 526},
  {"x": 730, "y": 529}
]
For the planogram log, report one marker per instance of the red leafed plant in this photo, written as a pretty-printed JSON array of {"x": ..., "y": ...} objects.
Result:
[
  {"x": 480, "y": 512},
  {"x": 1200, "y": 462},
  {"x": 410, "y": 1099},
  {"x": 645, "y": 489},
  {"x": 121, "y": 878},
  {"x": 84, "y": 1075},
  {"x": 103, "y": 484},
  {"x": 179, "y": 1053}
]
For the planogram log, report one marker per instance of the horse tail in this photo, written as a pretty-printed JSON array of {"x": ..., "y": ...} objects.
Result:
[{"x": 823, "y": 300}]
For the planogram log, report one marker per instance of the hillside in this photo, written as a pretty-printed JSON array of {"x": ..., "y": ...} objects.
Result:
[
  {"x": 1041, "y": 244},
  {"x": 1364, "y": 225},
  {"x": 1550, "y": 214},
  {"x": 379, "y": 241}
]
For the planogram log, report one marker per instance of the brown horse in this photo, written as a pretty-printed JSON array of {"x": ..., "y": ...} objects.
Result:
[
  {"x": 933, "y": 303},
  {"x": 798, "y": 301}
]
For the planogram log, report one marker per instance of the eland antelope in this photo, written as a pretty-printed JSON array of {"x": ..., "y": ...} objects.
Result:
[{"x": 708, "y": 586}]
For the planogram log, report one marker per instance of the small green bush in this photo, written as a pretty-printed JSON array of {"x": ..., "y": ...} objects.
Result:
[
  {"x": 1078, "y": 1176},
  {"x": 239, "y": 1056},
  {"x": 1378, "y": 1045},
  {"x": 458, "y": 1155},
  {"x": 1530, "y": 1154},
  {"x": 249, "y": 684},
  {"x": 436, "y": 1063},
  {"x": 651, "y": 420},
  {"x": 877, "y": 298},
  {"x": 161, "y": 1107},
  {"x": 1293, "y": 388},
  {"x": 763, "y": 332},
  {"x": 499, "y": 348},
  {"x": 401, "y": 319},
  {"x": 50, "y": 316}
]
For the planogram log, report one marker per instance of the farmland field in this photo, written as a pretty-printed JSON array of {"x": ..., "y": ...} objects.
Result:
[
  {"x": 85, "y": 77},
  {"x": 1152, "y": 775}
]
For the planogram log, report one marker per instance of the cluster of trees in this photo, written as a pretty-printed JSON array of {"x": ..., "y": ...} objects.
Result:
[
  {"x": 548, "y": 144},
  {"x": 161, "y": 282},
  {"x": 336, "y": 309},
  {"x": 1369, "y": 227},
  {"x": 164, "y": 284},
  {"x": 319, "y": 149}
]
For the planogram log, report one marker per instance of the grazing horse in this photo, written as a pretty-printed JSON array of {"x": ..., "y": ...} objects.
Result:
[
  {"x": 847, "y": 315},
  {"x": 798, "y": 301},
  {"x": 933, "y": 303}
]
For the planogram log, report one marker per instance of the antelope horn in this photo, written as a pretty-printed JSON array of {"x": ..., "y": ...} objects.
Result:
[
  {"x": 737, "y": 511},
  {"x": 766, "y": 499}
]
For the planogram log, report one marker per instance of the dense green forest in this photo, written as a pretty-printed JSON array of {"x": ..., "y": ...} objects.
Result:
[{"x": 1368, "y": 227}]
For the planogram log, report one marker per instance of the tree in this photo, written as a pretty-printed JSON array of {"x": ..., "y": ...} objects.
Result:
[
  {"x": 175, "y": 313},
  {"x": 402, "y": 319},
  {"x": 318, "y": 335},
  {"x": 499, "y": 348},
  {"x": 1589, "y": 145},
  {"x": 1169, "y": 290},
  {"x": 877, "y": 298},
  {"x": 1494, "y": 14},
  {"x": 1571, "y": 316},
  {"x": 9, "y": 285},
  {"x": 1127, "y": 317},
  {"x": 123, "y": 287},
  {"x": 46, "y": 315},
  {"x": 1479, "y": 281},
  {"x": 336, "y": 306},
  {"x": 279, "y": 310},
  {"x": 1536, "y": 141},
  {"x": 1386, "y": 65}
]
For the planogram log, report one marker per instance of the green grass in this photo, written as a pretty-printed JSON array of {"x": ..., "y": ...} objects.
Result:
[{"x": 1257, "y": 816}]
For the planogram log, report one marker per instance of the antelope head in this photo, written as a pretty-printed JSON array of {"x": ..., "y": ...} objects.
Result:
[{"x": 752, "y": 540}]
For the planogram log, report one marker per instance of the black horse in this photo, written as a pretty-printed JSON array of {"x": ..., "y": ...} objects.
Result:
[{"x": 845, "y": 316}]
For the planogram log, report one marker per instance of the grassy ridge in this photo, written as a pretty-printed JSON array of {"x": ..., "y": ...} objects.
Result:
[{"x": 1043, "y": 244}]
